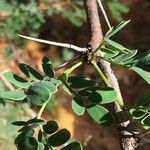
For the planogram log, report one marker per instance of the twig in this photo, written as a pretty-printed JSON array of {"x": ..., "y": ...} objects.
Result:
[
  {"x": 104, "y": 13},
  {"x": 70, "y": 46},
  {"x": 146, "y": 133},
  {"x": 66, "y": 63}
]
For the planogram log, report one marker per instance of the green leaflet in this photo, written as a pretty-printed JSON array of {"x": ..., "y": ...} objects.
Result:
[
  {"x": 59, "y": 138},
  {"x": 116, "y": 29},
  {"x": 144, "y": 74},
  {"x": 31, "y": 73},
  {"x": 17, "y": 95},
  {"x": 48, "y": 68},
  {"x": 38, "y": 94},
  {"x": 77, "y": 107},
  {"x": 17, "y": 80},
  {"x": 101, "y": 115}
]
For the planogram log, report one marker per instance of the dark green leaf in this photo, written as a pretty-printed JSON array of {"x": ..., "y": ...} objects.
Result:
[
  {"x": 19, "y": 123},
  {"x": 16, "y": 95},
  {"x": 48, "y": 68},
  {"x": 36, "y": 121},
  {"x": 144, "y": 74},
  {"x": 77, "y": 107},
  {"x": 50, "y": 127},
  {"x": 38, "y": 94},
  {"x": 80, "y": 82},
  {"x": 101, "y": 115},
  {"x": 73, "y": 146},
  {"x": 113, "y": 31},
  {"x": 16, "y": 80},
  {"x": 30, "y": 72},
  {"x": 59, "y": 138},
  {"x": 30, "y": 143},
  {"x": 137, "y": 113}
]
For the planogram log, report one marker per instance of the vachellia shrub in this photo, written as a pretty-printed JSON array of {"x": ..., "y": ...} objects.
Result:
[{"x": 87, "y": 95}]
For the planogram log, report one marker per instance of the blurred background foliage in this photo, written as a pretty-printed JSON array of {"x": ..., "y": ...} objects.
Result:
[{"x": 64, "y": 21}]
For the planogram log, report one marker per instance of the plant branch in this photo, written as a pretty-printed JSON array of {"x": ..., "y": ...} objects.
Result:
[
  {"x": 65, "y": 45},
  {"x": 67, "y": 63},
  {"x": 96, "y": 36},
  {"x": 42, "y": 109},
  {"x": 101, "y": 74}
]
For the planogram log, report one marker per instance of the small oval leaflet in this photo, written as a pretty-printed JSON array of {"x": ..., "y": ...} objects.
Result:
[
  {"x": 19, "y": 123},
  {"x": 103, "y": 96},
  {"x": 101, "y": 115},
  {"x": 17, "y": 95},
  {"x": 80, "y": 82},
  {"x": 50, "y": 127},
  {"x": 59, "y": 138},
  {"x": 48, "y": 68},
  {"x": 17, "y": 80},
  {"x": 79, "y": 109},
  {"x": 30, "y": 72},
  {"x": 38, "y": 94}
]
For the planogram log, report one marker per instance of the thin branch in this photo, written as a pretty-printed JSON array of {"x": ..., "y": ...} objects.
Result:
[
  {"x": 67, "y": 63},
  {"x": 65, "y": 45},
  {"x": 104, "y": 13}
]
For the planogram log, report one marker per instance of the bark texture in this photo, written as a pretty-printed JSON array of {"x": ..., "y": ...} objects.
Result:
[{"x": 127, "y": 139}]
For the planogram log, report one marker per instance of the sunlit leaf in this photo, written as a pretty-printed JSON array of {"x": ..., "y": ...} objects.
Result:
[
  {"x": 144, "y": 74},
  {"x": 77, "y": 107},
  {"x": 101, "y": 115},
  {"x": 17, "y": 80},
  {"x": 16, "y": 95},
  {"x": 103, "y": 96}
]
